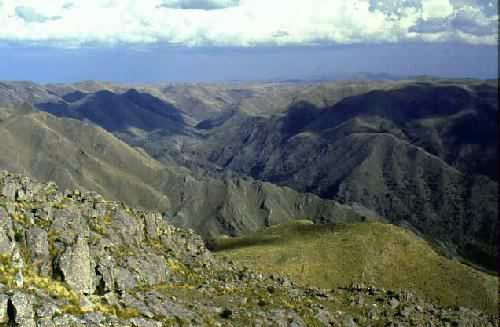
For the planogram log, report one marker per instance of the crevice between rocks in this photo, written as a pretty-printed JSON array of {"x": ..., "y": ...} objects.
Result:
[
  {"x": 11, "y": 314},
  {"x": 101, "y": 285},
  {"x": 57, "y": 273}
]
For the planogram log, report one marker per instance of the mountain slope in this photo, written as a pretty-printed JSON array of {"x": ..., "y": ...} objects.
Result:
[
  {"x": 73, "y": 154},
  {"x": 118, "y": 112},
  {"x": 377, "y": 254},
  {"x": 77, "y": 155},
  {"x": 410, "y": 154},
  {"x": 438, "y": 118}
]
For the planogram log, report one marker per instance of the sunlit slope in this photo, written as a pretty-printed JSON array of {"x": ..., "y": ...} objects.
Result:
[{"x": 373, "y": 253}]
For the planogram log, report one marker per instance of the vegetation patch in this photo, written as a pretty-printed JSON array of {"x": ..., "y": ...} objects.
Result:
[{"x": 373, "y": 253}]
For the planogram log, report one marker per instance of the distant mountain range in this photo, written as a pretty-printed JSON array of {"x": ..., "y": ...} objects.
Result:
[{"x": 223, "y": 157}]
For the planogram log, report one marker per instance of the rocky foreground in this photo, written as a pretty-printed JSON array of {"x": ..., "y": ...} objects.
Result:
[{"x": 75, "y": 259}]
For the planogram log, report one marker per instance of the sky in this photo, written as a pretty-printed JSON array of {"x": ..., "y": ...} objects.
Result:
[{"x": 138, "y": 41}]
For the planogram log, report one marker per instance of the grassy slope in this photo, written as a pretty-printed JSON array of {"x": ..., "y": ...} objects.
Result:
[{"x": 374, "y": 253}]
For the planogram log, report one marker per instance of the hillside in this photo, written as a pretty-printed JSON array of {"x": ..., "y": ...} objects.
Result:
[
  {"x": 382, "y": 255},
  {"x": 77, "y": 155},
  {"x": 75, "y": 259}
]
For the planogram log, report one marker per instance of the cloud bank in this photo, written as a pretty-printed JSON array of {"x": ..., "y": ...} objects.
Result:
[
  {"x": 199, "y": 4},
  {"x": 72, "y": 23}
]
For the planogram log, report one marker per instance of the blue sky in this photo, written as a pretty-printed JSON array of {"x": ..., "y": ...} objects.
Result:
[{"x": 139, "y": 41}]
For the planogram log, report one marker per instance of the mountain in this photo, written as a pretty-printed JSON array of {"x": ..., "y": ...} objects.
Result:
[
  {"x": 407, "y": 150},
  {"x": 78, "y": 155},
  {"x": 76, "y": 259},
  {"x": 118, "y": 112},
  {"x": 413, "y": 154}
]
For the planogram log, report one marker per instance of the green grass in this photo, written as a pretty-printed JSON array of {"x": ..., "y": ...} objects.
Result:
[{"x": 378, "y": 254}]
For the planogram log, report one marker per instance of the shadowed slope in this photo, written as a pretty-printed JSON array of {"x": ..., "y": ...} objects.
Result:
[{"x": 119, "y": 112}]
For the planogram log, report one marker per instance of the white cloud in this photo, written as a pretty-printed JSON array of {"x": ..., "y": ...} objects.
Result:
[
  {"x": 199, "y": 4},
  {"x": 30, "y": 15},
  {"x": 245, "y": 22},
  {"x": 436, "y": 9}
]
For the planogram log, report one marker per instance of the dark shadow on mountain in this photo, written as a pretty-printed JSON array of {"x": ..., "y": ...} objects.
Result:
[
  {"x": 74, "y": 96},
  {"x": 298, "y": 116},
  {"x": 119, "y": 112},
  {"x": 413, "y": 102},
  {"x": 217, "y": 121},
  {"x": 451, "y": 122}
]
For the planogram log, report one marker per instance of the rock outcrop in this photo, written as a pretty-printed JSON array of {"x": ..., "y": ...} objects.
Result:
[{"x": 74, "y": 259}]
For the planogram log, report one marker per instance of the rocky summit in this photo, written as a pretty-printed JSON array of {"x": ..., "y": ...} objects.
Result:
[{"x": 73, "y": 258}]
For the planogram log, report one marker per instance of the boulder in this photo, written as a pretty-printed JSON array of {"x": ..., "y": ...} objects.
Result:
[
  {"x": 22, "y": 310},
  {"x": 6, "y": 232},
  {"x": 38, "y": 246},
  {"x": 75, "y": 264}
]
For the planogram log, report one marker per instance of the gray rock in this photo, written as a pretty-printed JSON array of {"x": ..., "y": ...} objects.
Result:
[
  {"x": 37, "y": 243},
  {"x": 85, "y": 304},
  {"x": 45, "y": 322},
  {"x": 66, "y": 320},
  {"x": 283, "y": 318},
  {"x": 105, "y": 273},
  {"x": 143, "y": 322},
  {"x": 6, "y": 232},
  {"x": 148, "y": 269},
  {"x": 94, "y": 317},
  {"x": 132, "y": 302},
  {"x": 129, "y": 231},
  {"x": 112, "y": 299},
  {"x": 68, "y": 223},
  {"x": 10, "y": 207},
  {"x": 75, "y": 264},
  {"x": 17, "y": 259},
  {"x": 23, "y": 306},
  {"x": 167, "y": 308},
  {"x": 19, "y": 279},
  {"x": 9, "y": 191},
  {"x": 124, "y": 279},
  {"x": 152, "y": 223},
  {"x": 47, "y": 310},
  {"x": 4, "y": 301}
]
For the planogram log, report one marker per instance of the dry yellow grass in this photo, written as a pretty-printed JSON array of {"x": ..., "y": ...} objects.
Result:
[{"x": 378, "y": 254}]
